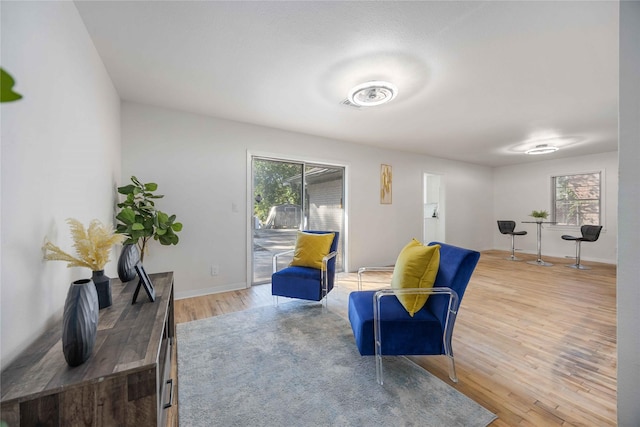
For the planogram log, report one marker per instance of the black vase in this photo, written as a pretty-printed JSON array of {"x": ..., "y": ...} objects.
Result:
[
  {"x": 103, "y": 287},
  {"x": 129, "y": 257},
  {"x": 79, "y": 322}
]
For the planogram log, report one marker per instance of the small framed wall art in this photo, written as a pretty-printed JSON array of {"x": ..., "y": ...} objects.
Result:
[{"x": 386, "y": 178}]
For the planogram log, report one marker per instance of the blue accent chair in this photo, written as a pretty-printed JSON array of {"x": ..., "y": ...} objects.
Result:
[
  {"x": 382, "y": 327},
  {"x": 305, "y": 282}
]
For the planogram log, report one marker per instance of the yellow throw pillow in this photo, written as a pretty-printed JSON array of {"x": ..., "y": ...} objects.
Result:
[
  {"x": 416, "y": 267},
  {"x": 311, "y": 248}
]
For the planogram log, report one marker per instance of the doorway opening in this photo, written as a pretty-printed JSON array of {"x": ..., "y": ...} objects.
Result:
[
  {"x": 288, "y": 196},
  {"x": 434, "y": 209}
]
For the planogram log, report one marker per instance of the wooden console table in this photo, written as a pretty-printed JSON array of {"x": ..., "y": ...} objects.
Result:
[{"x": 125, "y": 382}]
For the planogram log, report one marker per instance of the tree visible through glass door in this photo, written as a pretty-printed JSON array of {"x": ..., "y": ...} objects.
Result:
[{"x": 291, "y": 196}]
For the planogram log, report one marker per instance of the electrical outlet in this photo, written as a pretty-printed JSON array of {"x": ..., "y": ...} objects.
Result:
[{"x": 215, "y": 270}]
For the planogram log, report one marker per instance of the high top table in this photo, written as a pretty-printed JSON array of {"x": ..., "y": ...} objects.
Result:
[{"x": 539, "y": 261}]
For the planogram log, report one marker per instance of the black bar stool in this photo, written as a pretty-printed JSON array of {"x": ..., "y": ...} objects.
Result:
[
  {"x": 508, "y": 227},
  {"x": 590, "y": 233}
]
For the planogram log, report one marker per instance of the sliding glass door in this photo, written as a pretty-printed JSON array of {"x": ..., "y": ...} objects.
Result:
[{"x": 290, "y": 196}]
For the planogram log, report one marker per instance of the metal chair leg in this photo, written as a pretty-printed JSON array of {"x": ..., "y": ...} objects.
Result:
[
  {"x": 577, "y": 265},
  {"x": 513, "y": 250},
  {"x": 452, "y": 369}
]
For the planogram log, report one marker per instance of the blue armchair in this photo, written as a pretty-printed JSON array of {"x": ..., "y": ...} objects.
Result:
[
  {"x": 306, "y": 282},
  {"x": 382, "y": 326}
]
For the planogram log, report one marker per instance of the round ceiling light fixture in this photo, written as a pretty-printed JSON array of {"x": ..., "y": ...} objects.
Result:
[
  {"x": 373, "y": 93},
  {"x": 541, "y": 149}
]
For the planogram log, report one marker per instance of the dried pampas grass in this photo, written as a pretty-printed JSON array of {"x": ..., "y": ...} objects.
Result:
[{"x": 92, "y": 245}]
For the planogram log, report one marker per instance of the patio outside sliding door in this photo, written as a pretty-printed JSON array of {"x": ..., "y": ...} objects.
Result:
[{"x": 287, "y": 197}]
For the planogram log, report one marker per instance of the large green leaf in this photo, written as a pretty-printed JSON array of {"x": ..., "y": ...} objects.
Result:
[
  {"x": 127, "y": 215},
  {"x": 127, "y": 189},
  {"x": 137, "y": 235},
  {"x": 7, "y": 82},
  {"x": 151, "y": 186},
  {"x": 162, "y": 217},
  {"x": 168, "y": 239},
  {"x": 149, "y": 223}
]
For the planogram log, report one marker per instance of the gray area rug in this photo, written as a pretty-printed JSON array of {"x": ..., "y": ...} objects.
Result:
[{"x": 297, "y": 365}]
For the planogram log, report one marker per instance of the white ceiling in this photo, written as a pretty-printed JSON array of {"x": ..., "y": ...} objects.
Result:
[{"x": 478, "y": 81}]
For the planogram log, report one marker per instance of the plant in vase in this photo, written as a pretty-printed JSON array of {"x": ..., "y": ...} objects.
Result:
[
  {"x": 85, "y": 297},
  {"x": 539, "y": 215},
  {"x": 140, "y": 220},
  {"x": 92, "y": 246}
]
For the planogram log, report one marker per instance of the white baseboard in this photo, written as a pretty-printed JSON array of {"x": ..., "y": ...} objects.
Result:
[
  {"x": 212, "y": 290},
  {"x": 564, "y": 255}
]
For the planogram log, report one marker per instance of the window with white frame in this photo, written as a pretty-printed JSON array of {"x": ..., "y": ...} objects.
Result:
[{"x": 576, "y": 199}]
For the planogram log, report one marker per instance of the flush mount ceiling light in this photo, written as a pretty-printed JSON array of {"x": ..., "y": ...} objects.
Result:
[
  {"x": 374, "y": 93},
  {"x": 541, "y": 149}
]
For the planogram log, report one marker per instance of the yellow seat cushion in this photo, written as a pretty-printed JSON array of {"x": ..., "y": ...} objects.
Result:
[
  {"x": 311, "y": 248},
  {"x": 416, "y": 267}
]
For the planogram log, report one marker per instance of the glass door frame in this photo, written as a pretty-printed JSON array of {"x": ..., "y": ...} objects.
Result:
[{"x": 249, "y": 201}]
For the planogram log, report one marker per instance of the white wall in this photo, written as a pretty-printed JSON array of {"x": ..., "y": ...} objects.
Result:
[
  {"x": 519, "y": 189},
  {"x": 628, "y": 293},
  {"x": 200, "y": 165},
  {"x": 60, "y": 159}
]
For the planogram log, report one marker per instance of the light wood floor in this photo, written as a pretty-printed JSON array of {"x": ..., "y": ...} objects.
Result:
[{"x": 535, "y": 345}]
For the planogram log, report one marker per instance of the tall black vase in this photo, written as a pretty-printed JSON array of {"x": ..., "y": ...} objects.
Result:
[
  {"x": 80, "y": 322},
  {"x": 103, "y": 287}
]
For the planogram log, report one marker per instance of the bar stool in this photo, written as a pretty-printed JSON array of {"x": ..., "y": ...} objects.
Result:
[
  {"x": 590, "y": 233},
  {"x": 507, "y": 227}
]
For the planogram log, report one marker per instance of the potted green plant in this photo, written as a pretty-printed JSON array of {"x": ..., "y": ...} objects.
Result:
[
  {"x": 539, "y": 215},
  {"x": 140, "y": 220}
]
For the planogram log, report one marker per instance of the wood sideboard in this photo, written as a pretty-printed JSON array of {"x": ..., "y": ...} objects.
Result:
[{"x": 125, "y": 382}]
